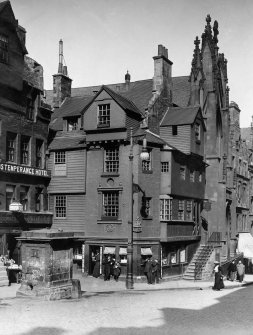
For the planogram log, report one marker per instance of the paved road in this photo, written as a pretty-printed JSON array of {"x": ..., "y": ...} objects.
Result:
[{"x": 158, "y": 310}]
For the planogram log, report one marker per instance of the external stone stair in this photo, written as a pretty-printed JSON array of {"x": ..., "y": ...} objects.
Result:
[
  {"x": 3, "y": 275},
  {"x": 198, "y": 268}
]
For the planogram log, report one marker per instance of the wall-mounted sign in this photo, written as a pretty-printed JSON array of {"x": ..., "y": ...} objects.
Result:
[
  {"x": 19, "y": 169},
  {"x": 137, "y": 228}
]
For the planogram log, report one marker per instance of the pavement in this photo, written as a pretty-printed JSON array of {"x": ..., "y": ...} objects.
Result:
[{"x": 90, "y": 284}]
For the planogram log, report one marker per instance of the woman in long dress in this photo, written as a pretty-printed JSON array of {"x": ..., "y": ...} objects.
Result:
[
  {"x": 218, "y": 278},
  {"x": 96, "y": 270}
]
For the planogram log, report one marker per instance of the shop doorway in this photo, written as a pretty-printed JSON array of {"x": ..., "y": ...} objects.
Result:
[{"x": 93, "y": 249}]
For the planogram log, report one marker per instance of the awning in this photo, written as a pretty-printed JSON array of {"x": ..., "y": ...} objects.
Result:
[
  {"x": 109, "y": 250},
  {"x": 122, "y": 251},
  {"x": 146, "y": 251},
  {"x": 245, "y": 244}
]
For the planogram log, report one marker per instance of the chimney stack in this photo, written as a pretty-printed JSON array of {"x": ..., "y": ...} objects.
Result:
[{"x": 61, "y": 81}]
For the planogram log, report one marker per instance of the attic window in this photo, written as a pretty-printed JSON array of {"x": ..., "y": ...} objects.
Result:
[
  {"x": 72, "y": 124},
  {"x": 174, "y": 130},
  {"x": 4, "y": 43},
  {"x": 103, "y": 115}
]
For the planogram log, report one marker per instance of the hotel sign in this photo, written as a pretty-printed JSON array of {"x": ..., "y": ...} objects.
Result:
[{"x": 19, "y": 169}]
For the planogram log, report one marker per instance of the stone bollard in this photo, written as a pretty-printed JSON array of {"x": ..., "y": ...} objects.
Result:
[{"x": 76, "y": 289}]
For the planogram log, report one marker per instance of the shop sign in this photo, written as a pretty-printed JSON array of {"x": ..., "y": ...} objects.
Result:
[
  {"x": 137, "y": 228},
  {"x": 19, "y": 169}
]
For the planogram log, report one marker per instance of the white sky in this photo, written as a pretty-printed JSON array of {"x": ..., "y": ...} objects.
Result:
[{"x": 102, "y": 39}]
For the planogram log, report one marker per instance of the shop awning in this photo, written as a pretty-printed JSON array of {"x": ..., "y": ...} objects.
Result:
[
  {"x": 122, "y": 251},
  {"x": 109, "y": 250},
  {"x": 146, "y": 251},
  {"x": 245, "y": 244}
]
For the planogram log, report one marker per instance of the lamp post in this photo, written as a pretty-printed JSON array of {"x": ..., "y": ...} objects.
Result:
[{"x": 144, "y": 156}]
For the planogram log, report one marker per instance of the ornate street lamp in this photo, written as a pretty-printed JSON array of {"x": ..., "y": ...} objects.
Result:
[
  {"x": 143, "y": 156},
  {"x": 16, "y": 206}
]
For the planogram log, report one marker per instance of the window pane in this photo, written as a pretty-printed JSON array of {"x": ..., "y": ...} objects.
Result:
[
  {"x": 112, "y": 160},
  {"x": 25, "y": 150},
  {"x": 23, "y": 196},
  {"x": 59, "y": 157},
  {"x": 10, "y": 195},
  {"x": 164, "y": 166},
  {"x": 10, "y": 147},
  {"x": 60, "y": 206},
  {"x": 111, "y": 204},
  {"x": 104, "y": 115}
]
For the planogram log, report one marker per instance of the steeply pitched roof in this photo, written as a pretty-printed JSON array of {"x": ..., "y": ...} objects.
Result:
[
  {"x": 179, "y": 116},
  {"x": 67, "y": 142},
  {"x": 139, "y": 92}
]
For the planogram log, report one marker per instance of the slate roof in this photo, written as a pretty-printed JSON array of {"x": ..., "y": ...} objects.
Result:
[
  {"x": 139, "y": 92},
  {"x": 67, "y": 142},
  {"x": 179, "y": 116}
]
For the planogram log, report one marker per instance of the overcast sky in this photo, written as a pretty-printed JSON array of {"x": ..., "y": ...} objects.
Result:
[{"x": 102, "y": 39}]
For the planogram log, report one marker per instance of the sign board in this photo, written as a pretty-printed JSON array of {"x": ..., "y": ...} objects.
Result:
[{"x": 20, "y": 169}]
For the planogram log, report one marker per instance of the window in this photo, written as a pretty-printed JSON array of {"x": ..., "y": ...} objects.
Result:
[
  {"x": 25, "y": 143},
  {"x": 192, "y": 176},
  {"x": 60, "y": 157},
  {"x": 10, "y": 195},
  {"x": 173, "y": 258},
  {"x": 72, "y": 124},
  {"x": 197, "y": 132},
  {"x": 104, "y": 115},
  {"x": 147, "y": 164},
  {"x": 182, "y": 255},
  {"x": 60, "y": 167},
  {"x": 165, "y": 209},
  {"x": 4, "y": 49},
  {"x": 110, "y": 204},
  {"x": 38, "y": 199},
  {"x": 60, "y": 206},
  {"x": 182, "y": 172},
  {"x": 164, "y": 166},
  {"x": 174, "y": 130},
  {"x": 30, "y": 109},
  {"x": 11, "y": 147},
  {"x": 188, "y": 210},
  {"x": 111, "y": 163},
  {"x": 39, "y": 153},
  {"x": 146, "y": 207},
  {"x": 180, "y": 209},
  {"x": 200, "y": 177},
  {"x": 23, "y": 196}
]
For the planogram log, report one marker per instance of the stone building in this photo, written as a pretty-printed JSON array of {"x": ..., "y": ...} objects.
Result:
[{"x": 24, "y": 120}]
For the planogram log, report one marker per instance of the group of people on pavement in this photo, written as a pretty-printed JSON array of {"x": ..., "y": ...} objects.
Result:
[
  {"x": 235, "y": 272},
  {"x": 151, "y": 270},
  {"x": 111, "y": 267}
]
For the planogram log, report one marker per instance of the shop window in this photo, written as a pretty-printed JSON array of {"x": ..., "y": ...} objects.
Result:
[
  {"x": 165, "y": 209},
  {"x": 173, "y": 258},
  {"x": 25, "y": 150},
  {"x": 164, "y": 166},
  {"x": 110, "y": 205},
  {"x": 24, "y": 197},
  {"x": 180, "y": 209},
  {"x": 104, "y": 115},
  {"x": 39, "y": 153},
  {"x": 4, "y": 46},
  {"x": 10, "y": 195},
  {"x": 11, "y": 147},
  {"x": 60, "y": 206},
  {"x": 111, "y": 160},
  {"x": 123, "y": 255}
]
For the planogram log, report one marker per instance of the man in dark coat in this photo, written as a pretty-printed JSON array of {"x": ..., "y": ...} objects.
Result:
[
  {"x": 155, "y": 272},
  {"x": 232, "y": 271},
  {"x": 148, "y": 270},
  {"x": 107, "y": 267}
]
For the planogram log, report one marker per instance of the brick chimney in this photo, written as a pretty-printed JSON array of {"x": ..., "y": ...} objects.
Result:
[
  {"x": 162, "y": 72},
  {"x": 61, "y": 81}
]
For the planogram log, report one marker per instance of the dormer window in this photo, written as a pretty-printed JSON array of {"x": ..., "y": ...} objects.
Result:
[
  {"x": 4, "y": 43},
  {"x": 103, "y": 115},
  {"x": 72, "y": 124}
]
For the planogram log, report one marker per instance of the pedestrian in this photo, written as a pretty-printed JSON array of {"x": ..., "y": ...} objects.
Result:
[
  {"x": 96, "y": 270},
  {"x": 107, "y": 267},
  {"x": 155, "y": 272},
  {"x": 240, "y": 271},
  {"x": 116, "y": 270},
  {"x": 148, "y": 270},
  {"x": 218, "y": 277},
  {"x": 232, "y": 271}
]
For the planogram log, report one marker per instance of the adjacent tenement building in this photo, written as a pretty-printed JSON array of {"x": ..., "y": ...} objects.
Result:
[{"x": 24, "y": 120}]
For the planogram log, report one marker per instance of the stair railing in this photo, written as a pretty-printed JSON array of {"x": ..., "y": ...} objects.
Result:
[{"x": 201, "y": 261}]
